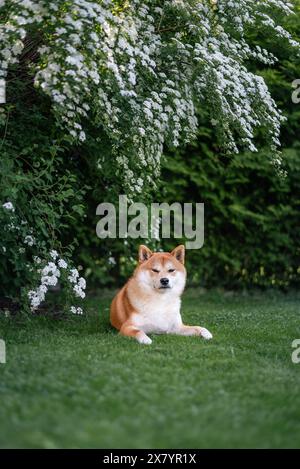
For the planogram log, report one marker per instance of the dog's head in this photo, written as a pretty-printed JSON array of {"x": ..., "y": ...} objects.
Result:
[{"x": 162, "y": 271}]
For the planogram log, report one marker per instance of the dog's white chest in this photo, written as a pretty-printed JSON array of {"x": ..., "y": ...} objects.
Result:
[{"x": 159, "y": 315}]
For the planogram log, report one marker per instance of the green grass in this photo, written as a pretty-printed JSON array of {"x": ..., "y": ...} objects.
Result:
[{"x": 76, "y": 383}]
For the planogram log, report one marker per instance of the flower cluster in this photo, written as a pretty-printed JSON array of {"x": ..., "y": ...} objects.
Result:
[
  {"x": 143, "y": 68},
  {"x": 75, "y": 310},
  {"x": 19, "y": 227},
  {"x": 79, "y": 283},
  {"x": 50, "y": 275},
  {"x": 8, "y": 206}
]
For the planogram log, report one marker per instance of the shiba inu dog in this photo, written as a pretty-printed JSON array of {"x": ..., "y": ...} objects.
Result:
[{"x": 150, "y": 300}]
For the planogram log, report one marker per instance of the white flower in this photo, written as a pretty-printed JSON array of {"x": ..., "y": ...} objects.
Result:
[
  {"x": 35, "y": 302},
  {"x": 82, "y": 136},
  {"x": 82, "y": 283},
  {"x": 43, "y": 289},
  {"x": 74, "y": 275},
  {"x": 8, "y": 206},
  {"x": 31, "y": 294},
  {"x": 62, "y": 263},
  {"x": 76, "y": 310},
  {"x": 78, "y": 291},
  {"x": 54, "y": 254},
  {"x": 52, "y": 269},
  {"x": 49, "y": 280},
  {"x": 29, "y": 240}
]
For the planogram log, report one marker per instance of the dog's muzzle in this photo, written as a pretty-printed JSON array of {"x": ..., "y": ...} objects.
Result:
[{"x": 164, "y": 283}]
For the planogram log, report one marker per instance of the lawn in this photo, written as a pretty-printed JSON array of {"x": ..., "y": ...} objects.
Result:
[{"x": 76, "y": 383}]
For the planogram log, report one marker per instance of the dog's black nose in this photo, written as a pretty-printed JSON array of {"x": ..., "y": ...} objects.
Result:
[{"x": 164, "y": 281}]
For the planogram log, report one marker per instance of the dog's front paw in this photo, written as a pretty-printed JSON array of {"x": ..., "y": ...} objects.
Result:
[
  {"x": 205, "y": 333},
  {"x": 142, "y": 338}
]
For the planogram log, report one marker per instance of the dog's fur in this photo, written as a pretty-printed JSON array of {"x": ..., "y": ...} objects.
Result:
[{"x": 150, "y": 300}]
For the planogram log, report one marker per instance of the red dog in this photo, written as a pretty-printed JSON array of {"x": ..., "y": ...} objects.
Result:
[{"x": 150, "y": 300}]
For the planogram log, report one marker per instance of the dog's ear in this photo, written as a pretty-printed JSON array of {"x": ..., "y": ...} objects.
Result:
[
  {"x": 178, "y": 253},
  {"x": 144, "y": 253}
]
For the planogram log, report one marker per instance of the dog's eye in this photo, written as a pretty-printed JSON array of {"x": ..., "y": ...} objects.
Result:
[
  {"x": 171, "y": 270},
  {"x": 155, "y": 270}
]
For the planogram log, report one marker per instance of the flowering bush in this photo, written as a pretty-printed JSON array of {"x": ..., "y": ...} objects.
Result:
[
  {"x": 95, "y": 90},
  {"x": 141, "y": 69},
  {"x": 19, "y": 250},
  {"x": 41, "y": 195}
]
